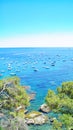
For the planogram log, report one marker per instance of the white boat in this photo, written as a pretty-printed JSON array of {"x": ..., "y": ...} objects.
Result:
[
  {"x": 9, "y": 68},
  {"x": 46, "y": 67},
  {"x": 12, "y": 74}
]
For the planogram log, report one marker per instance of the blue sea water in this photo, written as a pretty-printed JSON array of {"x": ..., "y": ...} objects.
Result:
[{"x": 40, "y": 68}]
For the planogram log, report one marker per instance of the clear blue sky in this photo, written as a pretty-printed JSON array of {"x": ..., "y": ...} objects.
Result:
[
  {"x": 18, "y": 17},
  {"x": 35, "y": 16}
]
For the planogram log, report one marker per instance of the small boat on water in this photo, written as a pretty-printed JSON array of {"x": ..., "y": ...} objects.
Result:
[
  {"x": 35, "y": 70},
  {"x": 46, "y": 67},
  {"x": 13, "y": 74},
  {"x": 9, "y": 65},
  {"x": 52, "y": 64},
  {"x": 17, "y": 70},
  {"x": 33, "y": 66},
  {"x": 9, "y": 68}
]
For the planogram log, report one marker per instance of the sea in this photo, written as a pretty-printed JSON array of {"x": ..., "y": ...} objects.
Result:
[{"x": 40, "y": 68}]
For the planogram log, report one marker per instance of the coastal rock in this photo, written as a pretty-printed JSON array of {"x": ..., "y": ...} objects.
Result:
[
  {"x": 45, "y": 108},
  {"x": 27, "y": 87},
  {"x": 1, "y": 115},
  {"x": 14, "y": 124},
  {"x": 35, "y": 117},
  {"x": 19, "y": 108},
  {"x": 32, "y": 96},
  {"x": 29, "y": 121},
  {"x": 22, "y": 109},
  {"x": 52, "y": 119},
  {"x": 25, "y": 111},
  {"x": 40, "y": 119}
]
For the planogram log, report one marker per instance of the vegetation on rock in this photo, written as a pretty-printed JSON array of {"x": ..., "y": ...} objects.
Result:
[
  {"x": 14, "y": 100},
  {"x": 12, "y": 95},
  {"x": 62, "y": 103},
  {"x": 15, "y": 124}
]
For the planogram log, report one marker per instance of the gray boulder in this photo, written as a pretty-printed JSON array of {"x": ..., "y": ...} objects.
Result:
[
  {"x": 35, "y": 117},
  {"x": 45, "y": 108}
]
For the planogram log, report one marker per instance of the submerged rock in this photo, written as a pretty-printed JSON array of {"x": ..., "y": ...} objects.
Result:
[
  {"x": 35, "y": 117},
  {"x": 45, "y": 108}
]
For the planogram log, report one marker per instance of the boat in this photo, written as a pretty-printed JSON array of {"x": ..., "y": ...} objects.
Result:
[
  {"x": 52, "y": 64},
  {"x": 35, "y": 70},
  {"x": 17, "y": 70},
  {"x": 33, "y": 66},
  {"x": 46, "y": 67},
  {"x": 13, "y": 74},
  {"x": 9, "y": 68}
]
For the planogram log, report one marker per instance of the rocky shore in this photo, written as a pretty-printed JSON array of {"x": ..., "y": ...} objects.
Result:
[
  {"x": 15, "y": 103},
  {"x": 44, "y": 108},
  {"x": 35, "y": 117}
]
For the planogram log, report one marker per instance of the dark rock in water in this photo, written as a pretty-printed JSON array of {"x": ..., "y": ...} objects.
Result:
[
  {"x": 52, "y": 119},
  {"x": 45, "y": 108}
]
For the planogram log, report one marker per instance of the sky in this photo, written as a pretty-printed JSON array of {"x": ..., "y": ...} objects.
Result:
[{"x": 26, "y": 23}]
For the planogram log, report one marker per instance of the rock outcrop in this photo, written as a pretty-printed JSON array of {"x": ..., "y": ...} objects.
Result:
[
  {"x": 14, "y": 124},
  {"x": 32, "y": 96},
  {"x": 45, "y": 108},
  {"x": 35, "y": 117}
]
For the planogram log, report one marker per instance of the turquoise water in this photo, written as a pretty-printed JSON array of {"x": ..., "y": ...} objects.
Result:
[{"x": 24, "y": 61}]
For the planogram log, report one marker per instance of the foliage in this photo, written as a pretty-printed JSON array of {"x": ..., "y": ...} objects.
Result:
[
  {"x": 67, "y": 120},
  {"x": 57, "y": 125},
  {"x": 33, "y": 114},
  {"x": 1, "y": 128},
  {"x": 67, "y": 88},
  {"x": 62, "y": 102},
  {"x": 52, "y": 99},
  {"x": 12, "y": 94}
]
